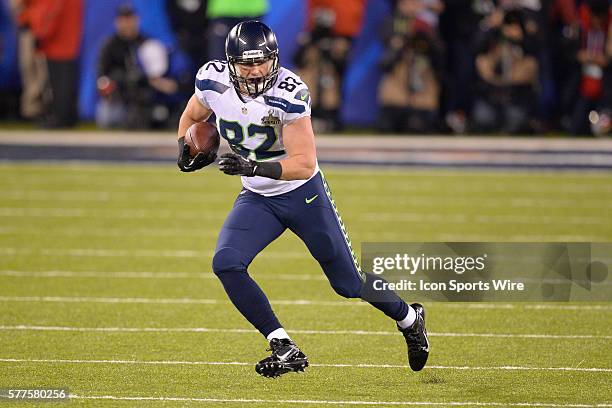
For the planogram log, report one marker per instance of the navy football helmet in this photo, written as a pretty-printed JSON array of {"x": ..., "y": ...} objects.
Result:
[{"x": 252, "y": 42}]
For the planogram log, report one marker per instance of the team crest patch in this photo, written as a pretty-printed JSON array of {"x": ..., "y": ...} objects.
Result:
[
  {"x": 244, "y": 110},
  {"x": 270, "y": 120}
]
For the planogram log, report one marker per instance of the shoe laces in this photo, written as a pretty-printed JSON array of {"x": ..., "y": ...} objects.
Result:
[
  {"x": 413, "y": 335},
  {"x": 277, "y": 344},
  {"x": 413, "y": 341}
]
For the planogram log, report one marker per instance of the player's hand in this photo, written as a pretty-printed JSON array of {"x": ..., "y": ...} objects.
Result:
[
  {"x": 236, "y": 165},
  {"x": 187, "y": 164}
]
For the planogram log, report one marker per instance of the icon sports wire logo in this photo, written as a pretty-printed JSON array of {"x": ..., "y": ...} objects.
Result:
[
  {"x": 412, "y": 264},
  {"x": 491, "y": 271}
]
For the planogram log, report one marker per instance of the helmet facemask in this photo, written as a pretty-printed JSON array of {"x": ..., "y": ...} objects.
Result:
[{"x": 256, "y": 86}]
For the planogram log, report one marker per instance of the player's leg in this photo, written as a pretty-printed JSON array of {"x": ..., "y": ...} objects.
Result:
[
  {"x": 249, "y": 228},
  {"x": 317, "y": 222}
]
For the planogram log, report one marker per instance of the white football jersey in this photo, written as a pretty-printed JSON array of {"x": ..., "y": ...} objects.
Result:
[{"x": 254, "y": 127}]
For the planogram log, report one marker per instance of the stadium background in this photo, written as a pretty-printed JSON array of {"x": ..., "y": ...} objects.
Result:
[
  {"x": 360, "y": 84},
  {"x": 106, "y": 286}
]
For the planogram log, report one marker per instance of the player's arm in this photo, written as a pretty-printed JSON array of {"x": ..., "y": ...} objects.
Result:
[
  {"x": 301, "y": 162},
  {"x": 194, "y": 112},
  {"x": 298, "y": 138}
]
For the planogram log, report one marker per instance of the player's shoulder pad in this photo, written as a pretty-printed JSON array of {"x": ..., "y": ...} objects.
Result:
[
  {"x": 290, "y": 93},
  {"x": 213, "y": 76}
]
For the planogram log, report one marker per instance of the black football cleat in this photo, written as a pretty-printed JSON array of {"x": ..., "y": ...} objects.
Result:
[
  {"x": 286, "y": 357},
  {"x": 416, "y": 339}
]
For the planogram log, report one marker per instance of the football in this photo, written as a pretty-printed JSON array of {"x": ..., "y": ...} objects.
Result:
[{"x": 202, "y": 137}]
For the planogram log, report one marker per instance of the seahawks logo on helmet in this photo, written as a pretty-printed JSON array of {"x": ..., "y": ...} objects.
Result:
[
  {"x": 252, "y": 42},
  {"x": 253, "y": 54}
]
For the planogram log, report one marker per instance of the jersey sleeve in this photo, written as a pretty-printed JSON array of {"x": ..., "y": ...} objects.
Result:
[
  {"x": 301, "y": 98},
  {"x": 210, "y": 82},
  {"x": 292, "y": 98}
]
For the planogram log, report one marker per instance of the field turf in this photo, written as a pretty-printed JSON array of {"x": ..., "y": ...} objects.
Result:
[{"x": 106, "y": 288}]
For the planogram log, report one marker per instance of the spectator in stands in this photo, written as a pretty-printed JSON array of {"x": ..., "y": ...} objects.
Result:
[
  {"x": 223, "y": 15},
  {"x": 57, "y": 27},
  {"x": 323, "y": 53},
  {"x": 426, "y": 13},
  {"x": 133, "y": 81},
  {"x": 594, "y": 56},
  {"x": 32, "y": 64},
  {"x": 459, "y": 23},
  {"x": 601, "y": 120},
  {"x": 507, "y": 78},
  {"x": 563, "y": 37},
  {"x": 410, "y": 87},
  {"x": 10, "y": 91},
  {"x": 189, "y": 23},
  {"x": 535, "y": 15}
]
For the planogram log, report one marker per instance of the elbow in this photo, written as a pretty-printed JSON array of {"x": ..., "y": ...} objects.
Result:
[
  {"x": 301, "y": 170},
  {"x": 308, "y": 169}
]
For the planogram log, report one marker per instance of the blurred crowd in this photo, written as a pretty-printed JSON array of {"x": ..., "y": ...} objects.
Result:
[
  {"x": 446, "y": 66},
  {"x": 511, "y": 66},
  {"x": 49, "y": 40}
]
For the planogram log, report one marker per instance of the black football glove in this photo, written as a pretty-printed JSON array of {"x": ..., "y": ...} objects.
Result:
[
  {"x": 236, "y": 165},
  {"x": 187, "y": 164}
]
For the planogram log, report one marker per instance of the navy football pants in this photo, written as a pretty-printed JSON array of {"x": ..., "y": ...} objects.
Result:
[{"x": 309, "y": 212}]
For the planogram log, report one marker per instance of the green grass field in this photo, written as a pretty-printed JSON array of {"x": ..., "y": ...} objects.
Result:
[{"x": 106, "y": 288}]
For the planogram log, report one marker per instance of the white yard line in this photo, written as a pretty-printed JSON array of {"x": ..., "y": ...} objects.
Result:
[
  {"x": 126, "y": 231},
  {"x": 85, "y": 299},
  {"x": 524, "y": 336},
  {"x": 296, "y": 331},
  {"x": 237, "y": 363},
  {"x": 299, "y": 302},
  {"x": 421, "y": 218},
  {"x": 119, "y": 196},
  {"x": 146, "y": 253},
  {"x": 413, "y": 217},
  {"x": 149, "y": 275},
  {"x": 106, "y": 213},
  {"x": 515, "y": 238},
  {"x": 426, "y": 201},
  {"x": 475, "y": 187},
  {"x": 365, "y": 237},
  {"x": 185, "y": 275},
  {"x": 569, "y": 307},
  {"x": 332, "y": 402},
  {"x": 554, "y": 306},
  {"x": 363, "y": 196}
]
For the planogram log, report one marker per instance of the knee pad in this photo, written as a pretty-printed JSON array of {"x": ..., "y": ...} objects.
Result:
[
  {"x": 323, "y": 247},
  {"x": 227, "y": 260}
]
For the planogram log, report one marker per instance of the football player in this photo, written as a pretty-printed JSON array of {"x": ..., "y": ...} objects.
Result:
[{"x": 263, "y": 111}]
